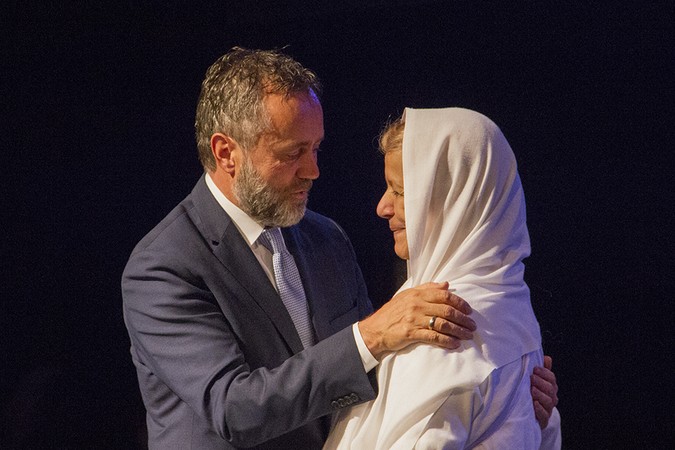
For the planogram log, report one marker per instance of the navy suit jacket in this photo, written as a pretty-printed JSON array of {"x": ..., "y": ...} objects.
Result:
[{"x": 219, "y": 362}]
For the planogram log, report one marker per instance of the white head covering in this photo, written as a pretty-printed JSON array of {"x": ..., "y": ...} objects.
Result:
[
  {"x": 465, "y": 224},
  {"x": 465, "y": 210}
]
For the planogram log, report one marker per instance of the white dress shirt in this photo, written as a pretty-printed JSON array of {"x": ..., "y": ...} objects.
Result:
[{"x": 250, "y": 231}]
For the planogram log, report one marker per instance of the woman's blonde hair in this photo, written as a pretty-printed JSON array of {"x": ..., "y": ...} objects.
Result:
[{"x": 391, "y": 138}]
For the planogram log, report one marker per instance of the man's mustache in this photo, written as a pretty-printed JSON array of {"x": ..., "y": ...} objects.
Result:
[{"x": 304, "y": 185}]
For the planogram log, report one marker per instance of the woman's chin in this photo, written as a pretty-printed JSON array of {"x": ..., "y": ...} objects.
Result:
[{"x": 402, "y": 251}]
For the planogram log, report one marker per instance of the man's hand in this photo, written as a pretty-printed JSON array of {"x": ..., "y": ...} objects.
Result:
[
  {"x": 544, "y": 391},
  {"x": 406, "y": 319}
]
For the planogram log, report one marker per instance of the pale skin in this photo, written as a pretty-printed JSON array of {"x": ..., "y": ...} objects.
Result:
[
  {"x": 286, "y": 158},
  {"x": 452, "y": 323},
  {"x": 544, "y": 390},
  {"x": 392, "y": 208}
]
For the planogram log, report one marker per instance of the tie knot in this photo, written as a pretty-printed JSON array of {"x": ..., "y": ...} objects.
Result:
[{"x": 273, "y": 240}]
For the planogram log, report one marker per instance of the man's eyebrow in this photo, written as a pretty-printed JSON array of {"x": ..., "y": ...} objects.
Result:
[{"x": 303, "y": 143}]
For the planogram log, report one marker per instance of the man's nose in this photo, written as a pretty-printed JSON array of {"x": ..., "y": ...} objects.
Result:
[{"x": 309, "y": 168}]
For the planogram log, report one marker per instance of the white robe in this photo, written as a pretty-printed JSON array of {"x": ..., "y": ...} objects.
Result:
[{"x": 465, "y": 223}]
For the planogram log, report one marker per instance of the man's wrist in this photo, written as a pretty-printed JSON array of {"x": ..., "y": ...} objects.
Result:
[{"x": 367, "y": 358}]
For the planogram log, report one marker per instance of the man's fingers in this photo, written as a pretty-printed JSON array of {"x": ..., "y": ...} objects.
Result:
[
  {"x": 548, "y": 362},
  {"x": 548, "y": 399},
  {"x": 440, "y": 340},
  {"x": 541, "y": 397},
  {"x": 428, "y": 313},
  {"x": 546, "y": 375},
  {"x": 452, "y": 311},
  {"x": 432, "y": 284},
  {"x": 452, "y": 329},
  {"x": 451, "y": 318},
  {"x": 549, "y": 388},
  {"x": 460, "y": 318},
  {"x": 459, "y": 303},
  {"x": 440, "y": 294},
  {"x": 541, "y": 414},
  {"x": 541, "y": 382}
]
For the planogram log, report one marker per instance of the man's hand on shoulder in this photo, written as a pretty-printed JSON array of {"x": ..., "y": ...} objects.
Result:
[{"x": 428, "y": 313}]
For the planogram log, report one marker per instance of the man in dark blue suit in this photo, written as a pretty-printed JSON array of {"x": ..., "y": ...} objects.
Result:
[{"x": 219, "y": 360}]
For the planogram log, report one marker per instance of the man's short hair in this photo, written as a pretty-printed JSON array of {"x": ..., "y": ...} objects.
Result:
[{"x": 232, "y": 94}]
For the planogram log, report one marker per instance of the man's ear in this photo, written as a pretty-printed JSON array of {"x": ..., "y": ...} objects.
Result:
[{"x": 226, "y": 152}]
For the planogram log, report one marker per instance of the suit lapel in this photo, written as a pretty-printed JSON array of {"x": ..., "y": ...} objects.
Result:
[{"x": 237, "y": 258}]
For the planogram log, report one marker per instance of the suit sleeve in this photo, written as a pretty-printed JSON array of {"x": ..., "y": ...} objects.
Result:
[{"x": 186, "y": 350}]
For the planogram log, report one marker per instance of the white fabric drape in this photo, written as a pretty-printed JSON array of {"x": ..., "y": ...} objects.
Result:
[{"x": 465, "y": 220}]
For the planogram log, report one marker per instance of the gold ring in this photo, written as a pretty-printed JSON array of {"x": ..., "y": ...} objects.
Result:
[{"x": 432, "y": 322}]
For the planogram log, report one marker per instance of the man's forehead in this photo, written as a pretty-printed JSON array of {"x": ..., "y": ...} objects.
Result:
[{"x": 294, "y": 114}]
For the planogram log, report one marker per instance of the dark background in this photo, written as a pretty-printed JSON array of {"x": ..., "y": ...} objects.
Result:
[{"x": 99, "y": 106}]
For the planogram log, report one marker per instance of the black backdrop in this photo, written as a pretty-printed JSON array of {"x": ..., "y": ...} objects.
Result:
[{"x": 99, "y": 104}]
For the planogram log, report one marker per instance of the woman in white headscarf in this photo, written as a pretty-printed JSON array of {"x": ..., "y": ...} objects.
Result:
[{"x": 460, "y": 218}]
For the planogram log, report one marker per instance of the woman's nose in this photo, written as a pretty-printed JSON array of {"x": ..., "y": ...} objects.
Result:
[{"x": 384, "y": 207}]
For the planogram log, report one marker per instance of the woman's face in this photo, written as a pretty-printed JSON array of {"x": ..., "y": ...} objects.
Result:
[{"x": 391, "y": 205}]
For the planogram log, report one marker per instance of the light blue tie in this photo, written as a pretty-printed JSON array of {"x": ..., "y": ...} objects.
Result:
[{"x": 289, "y": 284}]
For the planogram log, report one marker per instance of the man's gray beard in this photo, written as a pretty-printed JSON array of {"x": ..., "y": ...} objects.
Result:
[{"x": 262, "y": 202}]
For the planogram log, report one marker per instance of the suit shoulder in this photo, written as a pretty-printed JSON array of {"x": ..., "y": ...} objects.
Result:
[{"x": 174, "y": 229}]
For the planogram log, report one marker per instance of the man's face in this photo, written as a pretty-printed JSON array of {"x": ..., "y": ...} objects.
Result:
[
  {"x": 274, "y": 179},
  {"x": 391, "y": 205}
]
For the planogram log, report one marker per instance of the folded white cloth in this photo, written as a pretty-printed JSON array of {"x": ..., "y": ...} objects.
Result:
[{"x": 466, "y": 224}]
